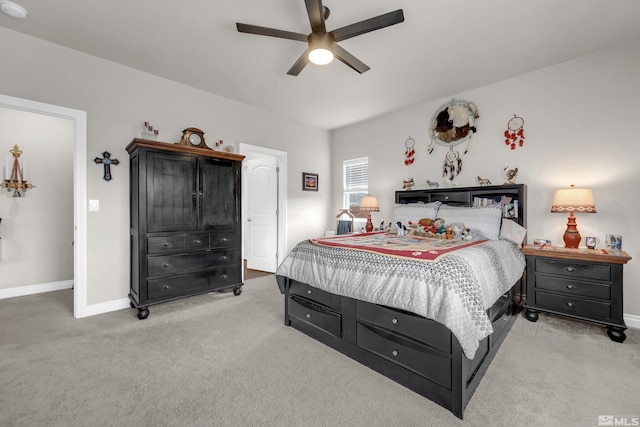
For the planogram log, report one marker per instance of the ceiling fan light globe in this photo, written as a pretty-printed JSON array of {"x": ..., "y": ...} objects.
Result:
[{"x": 321, "y": 56}]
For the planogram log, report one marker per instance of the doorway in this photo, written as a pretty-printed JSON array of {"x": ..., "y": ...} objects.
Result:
[
  {"x": 79, "y": 119},
  {"x": 263, "y": 207}
]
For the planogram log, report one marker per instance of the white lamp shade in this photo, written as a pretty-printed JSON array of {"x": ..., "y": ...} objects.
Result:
[
  {"x": 573, "y": 200},
  {"x": 369, "y": 203}
]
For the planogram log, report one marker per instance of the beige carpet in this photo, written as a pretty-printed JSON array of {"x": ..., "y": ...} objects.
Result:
[{"x": 225, "y": 360}]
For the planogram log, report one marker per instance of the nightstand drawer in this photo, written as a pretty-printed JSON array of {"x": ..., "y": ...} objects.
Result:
[
  {"x": 574, "y": 287},
  {"x": 573, "y": 269},
  {"x": 575, "y": 306}
]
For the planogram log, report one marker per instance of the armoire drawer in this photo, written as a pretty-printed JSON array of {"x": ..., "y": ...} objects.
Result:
[
  {"x": 422, "y": 360},
  {"x": 568, "y": 268},
  {"x": 189, "y": 262},
  {"x": 413, "y": 326},
  {"x": 165, "y": 244},
  {"x": 223, "y": 239},
  {"x": 316, "y": 315},
  {"x": 200, "y": 282}
]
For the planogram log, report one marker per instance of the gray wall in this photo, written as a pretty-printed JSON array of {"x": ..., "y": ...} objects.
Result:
[
  {"x": 580, "y": 119},
  {"x": 118, "y": 100},
  {"x": 37, "y": 229}
]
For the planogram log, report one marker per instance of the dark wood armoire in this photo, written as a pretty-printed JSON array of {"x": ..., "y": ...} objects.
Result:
[{"x": 185, "y": 222}]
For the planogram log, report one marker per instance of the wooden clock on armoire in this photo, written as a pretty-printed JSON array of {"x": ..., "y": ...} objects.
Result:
[{"x": 186, "y": 232}]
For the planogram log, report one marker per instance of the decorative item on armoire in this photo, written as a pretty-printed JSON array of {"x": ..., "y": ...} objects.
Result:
[
  {"x": 149, "y": 132},
  {"x": 514, "y": 135},
  {"x": 14, "y": 176},
  {"x": 452, "y": 124},
  {"x": 409, "y": 151},
  {"x": 106, "y": 161}
]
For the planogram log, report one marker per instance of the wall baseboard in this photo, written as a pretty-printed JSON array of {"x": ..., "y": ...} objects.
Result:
[
  {"x": 106, "y": 307},
  {"x": 35, "y": 289},
  {"x": 632, "y": 321}
]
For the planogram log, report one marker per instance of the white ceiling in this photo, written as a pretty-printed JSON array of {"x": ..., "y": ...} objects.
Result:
[{"x": 443, "y": 48}]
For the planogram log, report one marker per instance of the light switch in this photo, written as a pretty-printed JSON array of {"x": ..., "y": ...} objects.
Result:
[{"x": 94, "y": 205}]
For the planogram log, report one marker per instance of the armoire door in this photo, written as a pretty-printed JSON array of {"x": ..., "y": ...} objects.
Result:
[
  {"x": 172, "y": 192},
  {"x": 218, "y": 183}
]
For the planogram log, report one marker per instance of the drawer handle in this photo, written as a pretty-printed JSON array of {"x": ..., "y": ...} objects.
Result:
[
  {"x": 197, "y": 242},
  {"x": 570, "y": 305},
  {"x": 166, "y": 287},
  {"x": 166, "y": 244},
  {"x": 224, "y": 276},
  {"x": 224, "y": 258},
  {"x": 394, "y": 320},
  {"x": 571, "y": 286},
  {"x": 165, "y": 265},
  {"x": 569, "y": 269},
  {"x": 394, "y": 352},
  {"x": 224, "y": 240},
  {"x": 308, "y": 315},
  {"x": 309, "y": 292}
]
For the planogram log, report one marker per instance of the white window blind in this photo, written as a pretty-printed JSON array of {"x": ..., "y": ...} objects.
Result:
[{"x": 356, "y": 174}]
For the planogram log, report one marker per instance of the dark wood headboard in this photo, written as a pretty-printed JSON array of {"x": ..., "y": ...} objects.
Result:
[{"x": 467, "y": 196}]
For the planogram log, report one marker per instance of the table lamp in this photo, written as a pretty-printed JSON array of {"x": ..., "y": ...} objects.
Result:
[
  {"x": 573, "y": 200},
  {"x": 369, "y": 204}
]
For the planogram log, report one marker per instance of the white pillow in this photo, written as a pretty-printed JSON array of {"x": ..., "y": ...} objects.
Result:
[
  {"x": 513, "y": 231},
  {"x": 414, "y": 212},
  {"x": 486, "y": 219}
]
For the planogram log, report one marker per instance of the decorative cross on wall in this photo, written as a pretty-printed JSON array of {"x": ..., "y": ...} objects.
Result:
[{"x": 106, "y": 161}]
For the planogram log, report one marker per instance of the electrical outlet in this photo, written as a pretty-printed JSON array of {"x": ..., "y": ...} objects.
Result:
[{"x": 94, "y": 205}]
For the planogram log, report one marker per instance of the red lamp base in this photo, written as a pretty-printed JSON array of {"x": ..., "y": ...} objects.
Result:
[
  {"x": 571, "y": 236},
  {"x": 369, "y": 226}
]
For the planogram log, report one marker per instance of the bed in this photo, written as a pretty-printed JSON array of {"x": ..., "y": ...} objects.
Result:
[{"x": 425, "y": 313}]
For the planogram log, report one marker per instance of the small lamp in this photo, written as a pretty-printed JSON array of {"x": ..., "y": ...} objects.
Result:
[
  {"x": 369, "y": 204},
  {"x": 573, "y": 200}
]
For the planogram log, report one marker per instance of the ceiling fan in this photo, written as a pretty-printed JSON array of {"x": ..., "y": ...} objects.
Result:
[{"x": 322, "y": 45}]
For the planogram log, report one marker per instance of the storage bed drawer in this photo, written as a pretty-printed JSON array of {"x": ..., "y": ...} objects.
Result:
[
  {"x": 316, "y": 315},
  {"x": 412, "y": 326},
  {"x": 418, "y": 358},
  {"x": 315, "y": 294}
]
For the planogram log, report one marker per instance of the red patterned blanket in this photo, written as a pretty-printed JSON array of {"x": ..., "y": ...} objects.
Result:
[{"x": 411, "y": 247}]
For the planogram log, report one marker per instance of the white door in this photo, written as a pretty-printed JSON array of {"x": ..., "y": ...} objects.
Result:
[{"x": 261, "y": 227}]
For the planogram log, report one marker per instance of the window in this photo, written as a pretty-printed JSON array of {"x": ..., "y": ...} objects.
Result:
[{"x": 356, "y": 184}]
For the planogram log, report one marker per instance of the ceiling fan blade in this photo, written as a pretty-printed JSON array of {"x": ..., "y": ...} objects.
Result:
[
  {"x": 316, "y": 15},
  {"x": 271, "y": 32},
  {"x": 349, "y": 59},
  {"x": 300, "y": 64},
  {"x": 368, "y": 25}
]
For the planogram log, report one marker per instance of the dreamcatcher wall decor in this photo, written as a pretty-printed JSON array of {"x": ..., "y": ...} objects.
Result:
[
  {"x": 452, "y": 124},
  {"x": 410, "y": 151},
  {"x": 514, "y": 135}
]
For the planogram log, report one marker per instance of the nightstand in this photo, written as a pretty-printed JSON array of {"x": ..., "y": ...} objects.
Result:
[{"x": 583, "y": 284}]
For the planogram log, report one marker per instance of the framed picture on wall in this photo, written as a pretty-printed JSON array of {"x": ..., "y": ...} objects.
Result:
[{"x": 309, "y": 181}]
